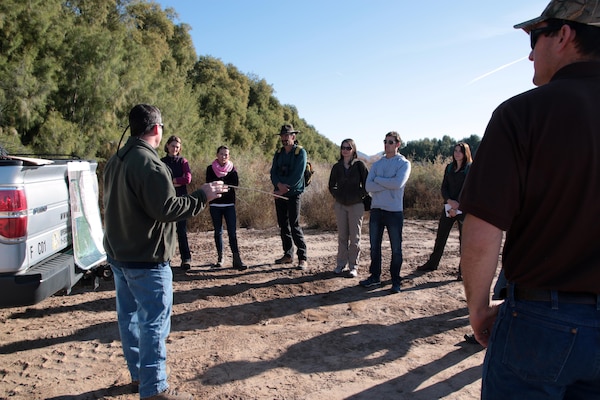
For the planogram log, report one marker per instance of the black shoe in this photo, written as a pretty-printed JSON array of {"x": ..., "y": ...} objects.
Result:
[
  {"x": 284, "y": 260},
  {"x": 133, "y": 387},
  {"x": 370, "y": 282},
  {"x": 238, "y": 263},
  {"x": 470, "y": 339},
  {"x": 428, "y": 266}
]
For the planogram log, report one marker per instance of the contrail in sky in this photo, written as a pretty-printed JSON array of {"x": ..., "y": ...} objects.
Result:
[{"x": 497, "y": 69}]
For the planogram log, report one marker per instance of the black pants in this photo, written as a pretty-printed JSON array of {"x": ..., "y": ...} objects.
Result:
[
  {"x": 288, "y": 219},
  {"x": 444, "y": 227},
  {"x": 182, "y": 239}
]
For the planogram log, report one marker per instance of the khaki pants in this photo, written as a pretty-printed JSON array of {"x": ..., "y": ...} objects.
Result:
[{"x": 349, "y": 223}]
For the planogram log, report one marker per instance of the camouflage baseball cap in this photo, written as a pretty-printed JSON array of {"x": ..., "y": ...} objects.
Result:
[{"x": 582, "y": 11}]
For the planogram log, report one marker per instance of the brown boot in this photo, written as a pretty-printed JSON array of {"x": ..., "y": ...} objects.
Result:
[
  {"x": 286, "y": 259},
  {"x": 170, "y": 394}
]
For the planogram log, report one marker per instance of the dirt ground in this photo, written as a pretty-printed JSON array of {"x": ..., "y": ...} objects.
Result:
[{"x": 270, "y": 332}]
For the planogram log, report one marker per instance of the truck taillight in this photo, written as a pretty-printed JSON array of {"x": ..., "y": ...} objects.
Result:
[{"x": 13, "y": 213}]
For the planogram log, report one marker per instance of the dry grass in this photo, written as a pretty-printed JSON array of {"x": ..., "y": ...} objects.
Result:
[
  {"x": 256, "y": 210},
  {"x": 422, "y": 196}
]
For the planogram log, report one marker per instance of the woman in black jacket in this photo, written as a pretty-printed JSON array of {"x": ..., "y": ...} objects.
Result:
[
  {"x": 454, "y": 179},
  {"x": 347, "y": 185},
  {"x": 222, "y": 169}
]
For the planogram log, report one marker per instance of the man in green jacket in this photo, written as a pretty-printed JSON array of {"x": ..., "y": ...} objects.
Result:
[
  {"x": 140, "y": 210},
  {"x": 287, "y": 176}
]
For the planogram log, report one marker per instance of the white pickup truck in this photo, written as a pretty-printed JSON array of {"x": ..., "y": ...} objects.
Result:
[{"x": 50, "y": 227}]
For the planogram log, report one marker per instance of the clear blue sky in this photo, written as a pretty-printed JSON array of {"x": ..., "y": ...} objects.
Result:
[{"x": 360, "y": 68}]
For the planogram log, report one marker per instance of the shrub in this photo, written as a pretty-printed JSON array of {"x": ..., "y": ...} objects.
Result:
[
  {"x": 317, "y": 202},
  {"x": 422, "y": 195}
]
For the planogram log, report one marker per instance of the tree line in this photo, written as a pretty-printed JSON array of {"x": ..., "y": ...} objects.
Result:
[
  {"x": 70, "y": 71},
  {"x": 429, "y": 150}
]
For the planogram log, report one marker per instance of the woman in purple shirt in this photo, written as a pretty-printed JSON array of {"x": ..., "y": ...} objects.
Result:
[{"x": 182, "y": 176}]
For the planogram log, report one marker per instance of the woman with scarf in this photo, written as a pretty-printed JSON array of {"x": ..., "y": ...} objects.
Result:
[
  {"x": 182, "y": 176},
  {"x": 222, "y": 169}
]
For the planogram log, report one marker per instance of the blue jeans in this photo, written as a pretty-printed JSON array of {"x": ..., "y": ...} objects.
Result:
[
  {"x": 288, "y": 219},
  {"x": 182, "y": 239},
  {"x": 394, "y": 222},
  {"x": 144, "y": 302},
  {"x": 538, "y": 351},
  {"x": 217, "y": 214}
]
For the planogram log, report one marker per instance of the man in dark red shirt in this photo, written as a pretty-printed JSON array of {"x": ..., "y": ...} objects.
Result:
[{"x": 537, "y": 177}]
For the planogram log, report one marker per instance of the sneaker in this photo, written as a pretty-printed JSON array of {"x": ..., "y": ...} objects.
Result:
[
  {"x": 338, "y": 270},
  {"x": 302, "y": 265},
  {"x": 170, "y": 394},
  {"x": 370, "y": 281},
  {"x": 395, "y": 289},
  {"x": 353, "y": 272},
  {"x": 284, "y": 260}
]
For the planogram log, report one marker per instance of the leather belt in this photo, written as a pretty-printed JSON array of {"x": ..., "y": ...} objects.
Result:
[{"x": 563, "y": 297}]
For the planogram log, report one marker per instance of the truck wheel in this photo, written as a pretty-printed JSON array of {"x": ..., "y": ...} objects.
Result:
[{"x": 107, "y": 273}]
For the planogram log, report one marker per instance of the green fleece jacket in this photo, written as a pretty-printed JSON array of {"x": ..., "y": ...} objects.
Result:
[
  {"x": 289, "y": 168},
  {"x": 141, "y": 207}
]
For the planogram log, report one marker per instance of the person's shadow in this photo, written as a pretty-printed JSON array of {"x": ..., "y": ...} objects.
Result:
[
  {"x": 113, "y": 391},
  {"x": 364, "y": 346}
]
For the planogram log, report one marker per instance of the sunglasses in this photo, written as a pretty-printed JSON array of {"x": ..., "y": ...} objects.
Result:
[
  {"x": 389, "y": 141},
  {"x": 348, "y": 148},
  {"x": 535, "y": 34},
  {"x": 153, "y": 125}
]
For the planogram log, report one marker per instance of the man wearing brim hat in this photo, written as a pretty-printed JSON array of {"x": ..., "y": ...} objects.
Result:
[
  {"x": 537, "y": 178},
  {"x": 287, "y": 129},
  {"x": 287, "y": 176}
]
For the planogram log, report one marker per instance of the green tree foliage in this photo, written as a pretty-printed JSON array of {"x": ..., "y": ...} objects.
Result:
[
  {"x": 222, "y": 93},
  {"x": 70, "y": 71},
  {"x": 30, "y": 35},
  {"x": 430, "y": 150}
]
